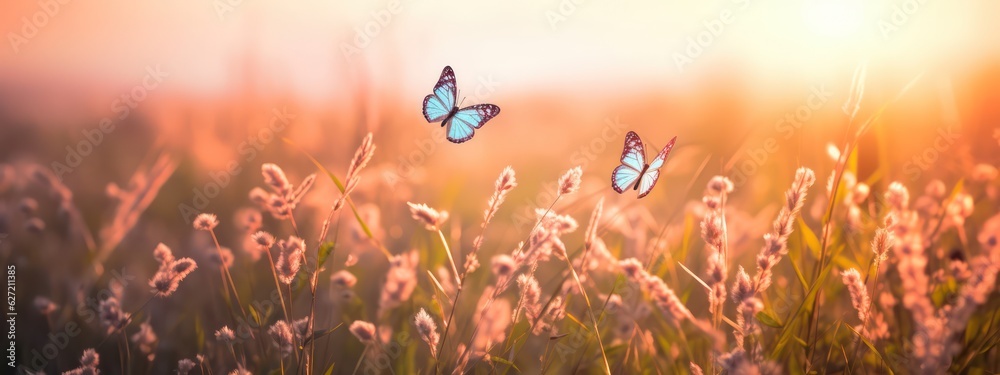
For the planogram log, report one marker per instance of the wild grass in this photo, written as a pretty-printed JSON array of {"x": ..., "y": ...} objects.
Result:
[{"x": 864, "y": 274}]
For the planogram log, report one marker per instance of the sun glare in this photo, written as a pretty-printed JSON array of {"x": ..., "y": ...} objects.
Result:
[{"x": 834, "y": 18}]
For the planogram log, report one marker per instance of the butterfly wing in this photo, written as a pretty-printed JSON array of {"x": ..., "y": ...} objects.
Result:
[
  {"x": 657, "y": 161},
  {"x": 634, "y": 154},
  {"x": 633, "y": 161},
  {"x": 648, "y": 179},
  {"x": 461, "y": 127},
  {"x": 438, "y": 105},
  {"x": 623, "y": 177}
]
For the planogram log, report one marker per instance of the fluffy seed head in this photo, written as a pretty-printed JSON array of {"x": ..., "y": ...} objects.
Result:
[
  {"x": 44, "y": 305},
  {"x": 222, "y": 257},
  {"x": 505, "y": 183},
  {"x": 185, "y": 366},
  {"x": 225, "y": 334},
  {"x": 898, "y": 196},
  {"x": 90, "y": 358},
  {"x": 275, "y": 178},
  {"x": 569, "y": 182},
  {"x": 206, "y": 222},
  {"x": 364, "y": 331},
  {"x": 283, "y": 336},
  {"x": 427, "y": 330},
  {"x": 361, "y": 156},
  {"x": 984, "y": 173},
  {"x": 719, "y": 185},
  {"x": 431, "y": 218},
  {"x": 162, "y": 254},
  {"x": 343, "y": 279},
  {"x": 503, "y": 265},
  {"x": 289, "y": 259},
  {"x": 263, "y": 239}
]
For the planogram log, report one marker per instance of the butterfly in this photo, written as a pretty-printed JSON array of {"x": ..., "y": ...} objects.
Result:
[
  {"x": 462, "y": 123},
  {"x": 634, "y": 172}
]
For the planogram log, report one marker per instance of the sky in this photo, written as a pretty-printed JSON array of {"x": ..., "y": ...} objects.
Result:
[{"x": 313, "y": 49}]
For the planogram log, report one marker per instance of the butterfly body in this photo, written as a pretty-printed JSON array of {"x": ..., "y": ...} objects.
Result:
[
  {"x": 644, "y": 169},
  {"x": 451, "y": 114},
  {"x": 460, "y": 122},
  {"x": 635, "y": 172}
]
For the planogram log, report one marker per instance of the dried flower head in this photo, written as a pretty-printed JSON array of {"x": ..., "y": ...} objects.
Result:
[
  {"x": 361, "y": 157},
  {"x": 263, "y": 239},
  {"x": 225, "y": 334},
  {"x": 595, "y": 217},
  {"x": 859, "y": 294},
  {"x": 898, "y": 197},
  {"x": 984, "y": 173},
  {"x": 569, "y": 182},
  {"x": 296, "y": 196},
  {"x": 400, "y": 280},
  {"x": 205, "y": 222},
  {"x": 989, "y": 235},
  {"x": 431, "y": 218},
  {"x": 530, "y": 298},
  {"x": 472, "y": 262},
  {"x": 503, "y": 265},
  {"x": 44, "y": 305},
  {"x": 343, "y": 279},
  {"x": 145, "y": 339},
  {"x": 719, "y": 185},
  {"x": 222, "y": 257},
  {"x": 505, "y": 183},
  {"x": 364, "y": 331},
  {"x": 259, "y": 196},
  {"x": 936, "y": 189},
  {"x": 90, "y": 358},
  {"x": 274, "y": 177},
  {"x": 427, "y": 330},
  {"x": 111, "y": 315},
  {"x": 162, "y": 254},
  {"x": 168, "y": 277},
  {"x": 185, "y": 366},
  {"x": 742, "y": 287},
  {"x": 284, "y": 337},
  {"x": 247, "y": 219},
  {"x": 289, "y": 258}
]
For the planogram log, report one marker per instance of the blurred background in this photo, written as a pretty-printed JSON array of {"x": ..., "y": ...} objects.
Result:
[{"x": 173, "y": 97}]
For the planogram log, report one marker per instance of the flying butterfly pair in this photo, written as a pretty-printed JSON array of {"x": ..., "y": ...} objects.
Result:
[{"x": 461, "y": 124}]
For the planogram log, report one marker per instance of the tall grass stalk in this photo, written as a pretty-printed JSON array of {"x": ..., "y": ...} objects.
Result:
[{"x": 850, "y": 144}]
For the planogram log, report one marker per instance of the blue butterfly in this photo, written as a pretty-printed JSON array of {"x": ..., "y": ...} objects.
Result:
[
  {"x": 461, "y": 123},
  {"x": 634, "y": 172}
]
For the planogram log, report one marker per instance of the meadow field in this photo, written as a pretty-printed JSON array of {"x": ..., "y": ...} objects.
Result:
[{"x": 250, "y": 187}]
